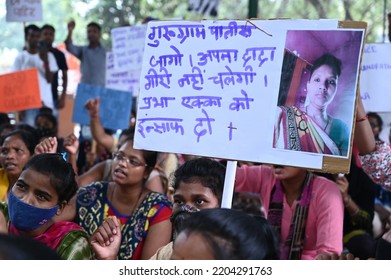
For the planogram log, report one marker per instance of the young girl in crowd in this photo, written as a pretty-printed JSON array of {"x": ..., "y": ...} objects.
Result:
[
  {"x": 44, "y": 187},
  {"x": 225, "y": 234},
  {"x": 306, "y": 210},
  {"x": 198, "y": 184},
  {"x": 144, "y": 214}
]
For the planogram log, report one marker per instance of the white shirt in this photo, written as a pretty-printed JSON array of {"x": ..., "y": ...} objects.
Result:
[{"x": 26, "y": 60}]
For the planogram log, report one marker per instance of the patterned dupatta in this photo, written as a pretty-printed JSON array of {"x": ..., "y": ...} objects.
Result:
[
  {"x": 301, "y": 133},
  {"x": 293, "y": 245}
]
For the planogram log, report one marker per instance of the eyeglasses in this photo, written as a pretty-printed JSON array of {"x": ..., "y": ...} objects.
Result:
[{"x": 132, "y": 162}]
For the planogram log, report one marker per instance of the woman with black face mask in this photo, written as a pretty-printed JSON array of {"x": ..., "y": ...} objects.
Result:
[{"x": 46, "y": 124}]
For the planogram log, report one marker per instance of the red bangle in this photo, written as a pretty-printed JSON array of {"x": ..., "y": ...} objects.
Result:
[{"x": 362, "y": 119}]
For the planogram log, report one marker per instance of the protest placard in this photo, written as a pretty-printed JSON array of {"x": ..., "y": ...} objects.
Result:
[
  {"x": 375, "y": 72},
  {"x": 124, "y": 80},
  {"x": 128, "y": 47},
  {"x": 114, "y": 108},
  {"x": 24, "y": 10},
  {"x": 19, "y": 91},
  {"x": 211, "y": 88}
]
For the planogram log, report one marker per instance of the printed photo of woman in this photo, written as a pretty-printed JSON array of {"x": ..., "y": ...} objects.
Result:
[{"x": 304, "y": 121}]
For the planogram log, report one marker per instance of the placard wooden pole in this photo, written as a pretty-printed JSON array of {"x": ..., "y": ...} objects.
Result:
[{"x": 229, "y": 184}]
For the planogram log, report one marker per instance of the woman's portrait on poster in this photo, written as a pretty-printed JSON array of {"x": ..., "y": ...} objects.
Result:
[{"x": 317, "y": 92}]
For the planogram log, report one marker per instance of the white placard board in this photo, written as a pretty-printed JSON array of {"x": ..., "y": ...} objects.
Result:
[
  {"x": 124, "y": 80},
  {"x": 128, "y": 47},
  {"x": 209, "y": 88},
  {"x": 374, "y": 80},
  {"x": 24, "y": 10}
]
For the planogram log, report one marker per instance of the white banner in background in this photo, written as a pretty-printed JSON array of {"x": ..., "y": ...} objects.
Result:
[
  {"x": 375, "y": 87},
  {"x": 24, "y": 10},
  {"x": 128, "y": 47}
]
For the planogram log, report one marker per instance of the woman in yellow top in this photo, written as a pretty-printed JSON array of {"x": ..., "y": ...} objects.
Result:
[{"x": 16, "y": 148}]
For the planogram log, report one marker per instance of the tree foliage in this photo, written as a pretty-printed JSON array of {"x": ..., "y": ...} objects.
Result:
[{"x": 115, "y": 13}]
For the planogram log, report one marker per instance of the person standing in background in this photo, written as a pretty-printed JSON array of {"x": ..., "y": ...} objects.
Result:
[
  {"x": 93, "y": 71},
  {"x": 36, "y": 55},
  {"x": 47, "y": 35},
  {"x": 92, "y": 56},
  {"x": 376, "y": 123}
]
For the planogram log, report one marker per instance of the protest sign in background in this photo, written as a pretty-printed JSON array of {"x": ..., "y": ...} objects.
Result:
[
  {"x": 375, "y": 72},
  {"x": 114, "y": 107},
  {"x": 19, "y": 91},
  {"x": 24, "y": 10}
]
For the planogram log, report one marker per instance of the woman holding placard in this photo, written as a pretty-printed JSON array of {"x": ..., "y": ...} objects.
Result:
[
  {"x": 375, "y": 156},
  {"x": 306, "y": 210}
]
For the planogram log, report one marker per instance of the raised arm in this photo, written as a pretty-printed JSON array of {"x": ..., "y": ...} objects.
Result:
[
  {"x": 98, "y": 133},
  {"x": 95, "y": 173},
  {"x": 73, "y": 49},
  {"x": 71, "y": 26},
  {"x": 375, "y": 157},
  {"x": 71, "y": 145},
  {"x": 363, "y": 137},
  {"x": 46, "y": 146}
]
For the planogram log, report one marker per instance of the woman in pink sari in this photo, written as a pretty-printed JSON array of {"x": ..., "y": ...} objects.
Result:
[{"x": 311, "y": 128}]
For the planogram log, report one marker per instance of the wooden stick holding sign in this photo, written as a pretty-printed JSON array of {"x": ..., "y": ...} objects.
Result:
[{"x": 229, "y": 183}]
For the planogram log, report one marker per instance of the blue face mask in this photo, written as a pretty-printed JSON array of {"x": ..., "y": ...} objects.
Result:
[{"x": 27, "y": 217}]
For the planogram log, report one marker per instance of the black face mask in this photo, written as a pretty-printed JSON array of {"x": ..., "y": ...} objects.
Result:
[{"x": 44, "y": 132}]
